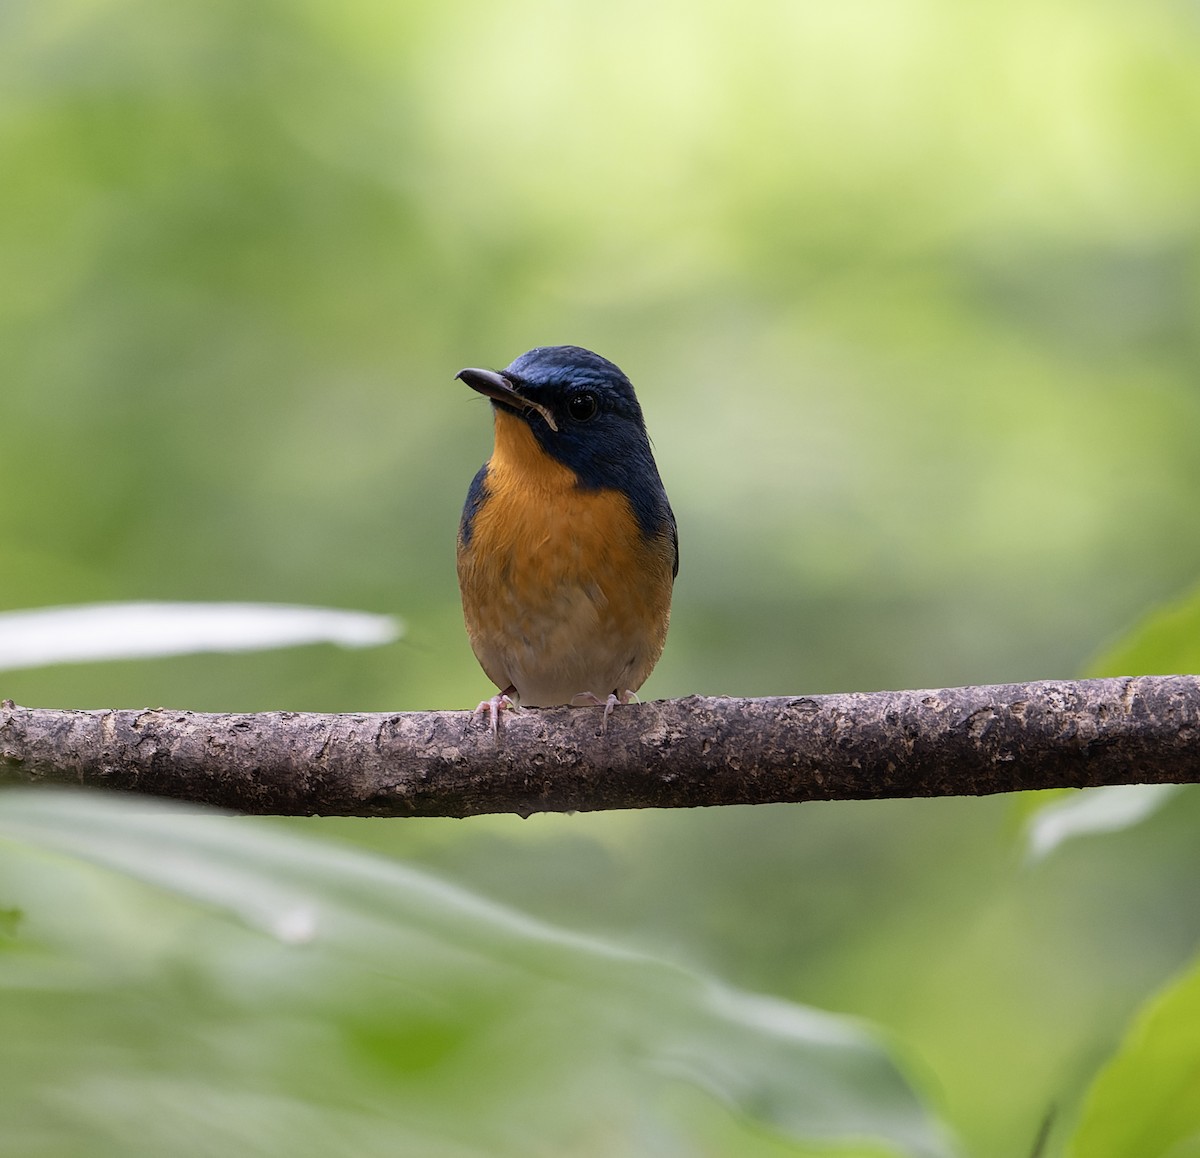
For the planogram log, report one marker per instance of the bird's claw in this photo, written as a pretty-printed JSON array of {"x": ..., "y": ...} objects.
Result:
[
  {"x": 495, "y": 706},
  {"x": 626, "y": 697}
]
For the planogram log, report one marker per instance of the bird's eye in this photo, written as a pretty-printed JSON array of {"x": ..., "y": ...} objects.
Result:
[{"x": 581, "y": 407}]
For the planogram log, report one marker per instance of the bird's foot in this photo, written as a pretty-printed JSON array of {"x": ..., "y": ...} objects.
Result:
[
  {"x": 496, "y": 705},
  {"x": 593, "y": 700}
]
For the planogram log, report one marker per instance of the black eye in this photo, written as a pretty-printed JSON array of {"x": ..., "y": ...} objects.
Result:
[{"x": 581, "y": 407}]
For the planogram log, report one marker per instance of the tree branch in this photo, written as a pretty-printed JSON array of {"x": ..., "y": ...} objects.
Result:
[{"x": 663, "y": 754}]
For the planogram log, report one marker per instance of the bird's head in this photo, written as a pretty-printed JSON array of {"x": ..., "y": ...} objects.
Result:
[{"x": 580, "y": 407}]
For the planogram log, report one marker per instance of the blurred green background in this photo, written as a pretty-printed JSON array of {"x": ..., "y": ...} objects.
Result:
[{"x": 909, "y": 292}]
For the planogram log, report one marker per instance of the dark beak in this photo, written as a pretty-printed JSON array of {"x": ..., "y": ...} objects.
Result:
[{"x": 500, "y": 389}]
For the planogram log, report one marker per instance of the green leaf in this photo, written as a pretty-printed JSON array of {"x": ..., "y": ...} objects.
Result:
[
  {"x": 1146, "y": 1102},
  {"x": 1093, "y": 810},
  {"x": 107, "y": 631},
  {"x": 1165, "y": 642},
  {"x": 313, "y": 999}
]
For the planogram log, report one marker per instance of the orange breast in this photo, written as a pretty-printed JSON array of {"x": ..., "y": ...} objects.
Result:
[{"x": 562, "y": 593}]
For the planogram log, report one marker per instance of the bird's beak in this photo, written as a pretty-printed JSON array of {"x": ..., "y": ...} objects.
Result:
[{"x": 500, "y": 389}]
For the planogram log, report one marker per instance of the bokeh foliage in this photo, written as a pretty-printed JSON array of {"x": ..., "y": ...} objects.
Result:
[
  {"x": 388, "y": 1013},
  {"x": 909, "y": 291}
]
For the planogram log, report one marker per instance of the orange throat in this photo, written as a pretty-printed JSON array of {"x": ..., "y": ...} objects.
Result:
[{"x": 518, "y": 456}]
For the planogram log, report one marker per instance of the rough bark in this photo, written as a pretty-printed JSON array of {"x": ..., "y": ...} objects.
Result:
[{"x": 663, "y": 754}]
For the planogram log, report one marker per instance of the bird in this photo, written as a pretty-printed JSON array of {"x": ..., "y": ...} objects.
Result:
[{"x": 567, "y": 547}]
